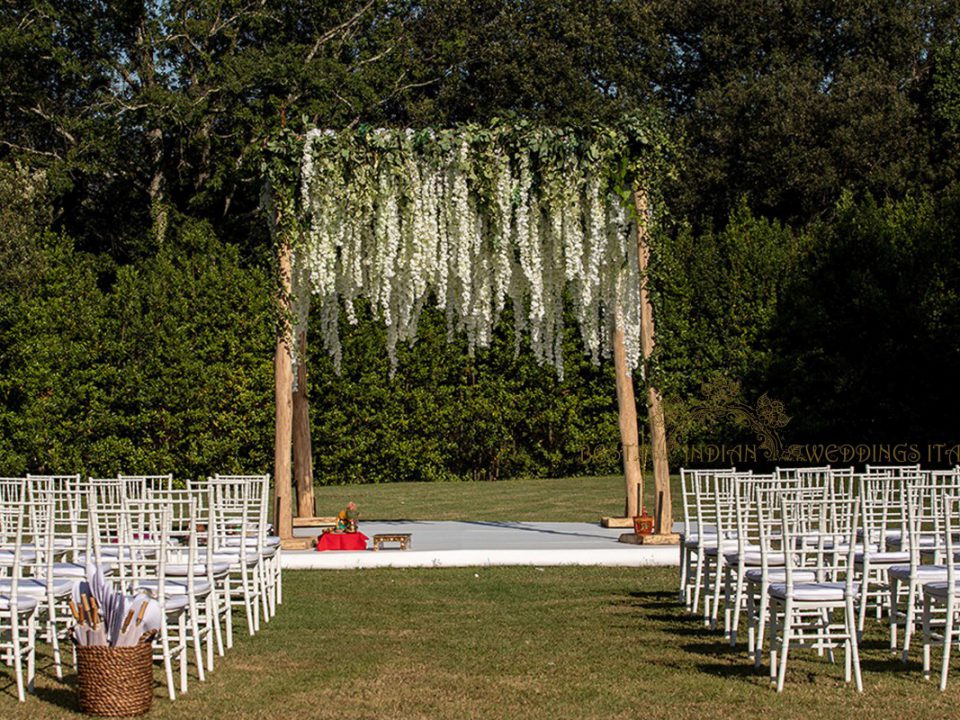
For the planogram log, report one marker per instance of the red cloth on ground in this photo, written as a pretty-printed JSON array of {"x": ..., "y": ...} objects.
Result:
[{"x": 342, "y": 541}]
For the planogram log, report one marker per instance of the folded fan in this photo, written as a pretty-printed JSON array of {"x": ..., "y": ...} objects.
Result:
[{"x": 106, "y": 617}]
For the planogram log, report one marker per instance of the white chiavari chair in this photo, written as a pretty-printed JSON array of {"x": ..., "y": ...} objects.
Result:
[
  {"x": 772, "y": 562},
  {"x": 883, "y": 516},
  {"x": 747, "y": 554},
  {"x": 18, "y": 613},
  {"x": 694, "y": 534},
  {"x": 895, "y": 471},
  {"x": 704, "y": 539},
  {"x": 231, "y": 536},
  {"x": 819, "y": 536},
  {"x": 52, "y": 590},
  {"x": 723, "y": 493},
  {"x": 925, "y": 538},
  {"x": 183, "y": 572},
  {"x": 138, "y": 486},
  {"x": 143, "y": 528},
  {"x": 268, "y": 546},
  {"x": 940, "y": 596}
]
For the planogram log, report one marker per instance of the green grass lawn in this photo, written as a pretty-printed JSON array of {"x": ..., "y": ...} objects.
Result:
[
  {"x": 511, "y": 643},
  {"x": 583, "y": 499}
]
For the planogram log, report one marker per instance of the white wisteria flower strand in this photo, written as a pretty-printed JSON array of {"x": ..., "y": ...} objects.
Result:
[{"x": 472, "y": 219}]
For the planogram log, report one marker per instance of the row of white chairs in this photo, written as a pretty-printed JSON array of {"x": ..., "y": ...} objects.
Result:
[
  {"x": 793, "y": 550},
  {"x": 200, "y": 551}
]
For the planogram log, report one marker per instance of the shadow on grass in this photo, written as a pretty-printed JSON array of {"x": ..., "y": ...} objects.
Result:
[
  {"x": 652, "y": 600},
  {"x": 716, "y": 648},
  {"x": 744, "y": 672},
  {"x": 64, "y": 697}
]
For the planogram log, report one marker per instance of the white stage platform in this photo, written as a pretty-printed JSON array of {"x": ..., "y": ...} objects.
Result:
[{"x": 483, "y": 544}]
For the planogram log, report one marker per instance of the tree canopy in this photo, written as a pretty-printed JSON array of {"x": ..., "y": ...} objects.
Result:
[{"x": 128, "y": 125}]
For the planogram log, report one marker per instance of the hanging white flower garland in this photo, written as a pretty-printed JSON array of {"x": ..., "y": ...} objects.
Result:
[{"x": 471, "y": 218}]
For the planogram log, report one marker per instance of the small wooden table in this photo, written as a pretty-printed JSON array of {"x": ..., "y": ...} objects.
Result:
[{"x": 402, "y": 538}]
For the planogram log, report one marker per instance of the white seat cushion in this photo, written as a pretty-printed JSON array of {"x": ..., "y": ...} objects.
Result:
[
  {"x": 176, "y": 603},
  {"x": 811, "y": 592},
  {"x": 113, "y": 552},
  {"x": 199, "y": 569},
  {"x": 234, "y": 558},
  {"x": 694, "y": 540},
  {"x": 79, "y": 570},
  {"x": 24, "y": 604},
  {"x": 26, "y": 556},
  {"x": 271, "y": 541},
  {"x": 752, "y": 557},
  {"x": 779, "y": 575},
  {"x": 727, "y": 545},
  {"x": 938, "y": 588},
  {"x": 38, "y": 588},
  {"x": 925, "y": 573},
  {"x": 177, "y": 587},
  {"x": 883, "y": 558}
]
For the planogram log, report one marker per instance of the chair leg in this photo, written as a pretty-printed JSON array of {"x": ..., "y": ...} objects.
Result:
[
  {"x": 54, "y": 639},
  {"x": 17, "y": 651},
  {"x": 255, "y": 596},
  {"x": 824, "y": 639},
  {"x": 947, "y": 644},
  {"x": 683, "y": 571},
  {"x": 698, "y": 579},
  {"x": 894, "y": 586},
  {"x": 278, "y": 557},
  {"x": 909, "y": 619},
  {"x": 727, "y": 605},
  {"x": 785, "y": 643},
  {"x": 197, "y": 640},
  {"x": 247, "y": 605},
  {"x": 927, "y": 609},
  {"x": 761, "y": 621},
  {"x": 213, "y": 620},
  {"x": 217, "y": 630},
  {"x": 853, "y": 648},
  {"x": 183, "y": 651},
  {"x": 274, "y": 583},
  {"x": 167, "y": 660},
  {"x": 737, "y": 602},
  {"x": 717, "y": 582},
  {"x": 32, "y": 652},
  {"x": 864, "y": 596},
  {"x": 264, "y": 589},
  {"x": 774, "y": 639},
  {"x": 228, "y": 610}
]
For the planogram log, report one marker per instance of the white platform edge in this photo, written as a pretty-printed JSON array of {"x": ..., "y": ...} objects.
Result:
[{"x": 634, "y": 556}]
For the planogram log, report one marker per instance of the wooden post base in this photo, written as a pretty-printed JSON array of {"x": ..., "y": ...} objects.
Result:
[
  {"x": 616, "y": 522},
  {"x": 299, "y": 522},
  {"x": 295, "y": 543},
  {"x": 664, "y": 539}
]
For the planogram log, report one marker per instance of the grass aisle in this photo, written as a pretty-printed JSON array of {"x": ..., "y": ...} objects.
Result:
[
  {"x": 581, "y": 499},
  {"x": 510, "y": 643}
]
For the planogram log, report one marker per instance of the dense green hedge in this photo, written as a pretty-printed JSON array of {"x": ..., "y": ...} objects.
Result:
[
  {"x": 160, "y": 366},
  {"x": 165, "y": 363}
]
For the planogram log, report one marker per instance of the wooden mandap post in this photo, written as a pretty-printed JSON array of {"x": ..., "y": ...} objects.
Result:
[
  {"x": 662, "y": 503},
  {"x": 629, "y": 440},
  {"x": 302, "y": 450},
  {"x": 283, "y": 392}
]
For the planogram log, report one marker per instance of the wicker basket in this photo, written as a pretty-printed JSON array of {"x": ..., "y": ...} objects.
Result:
[{"x": 115, "y": 681}]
